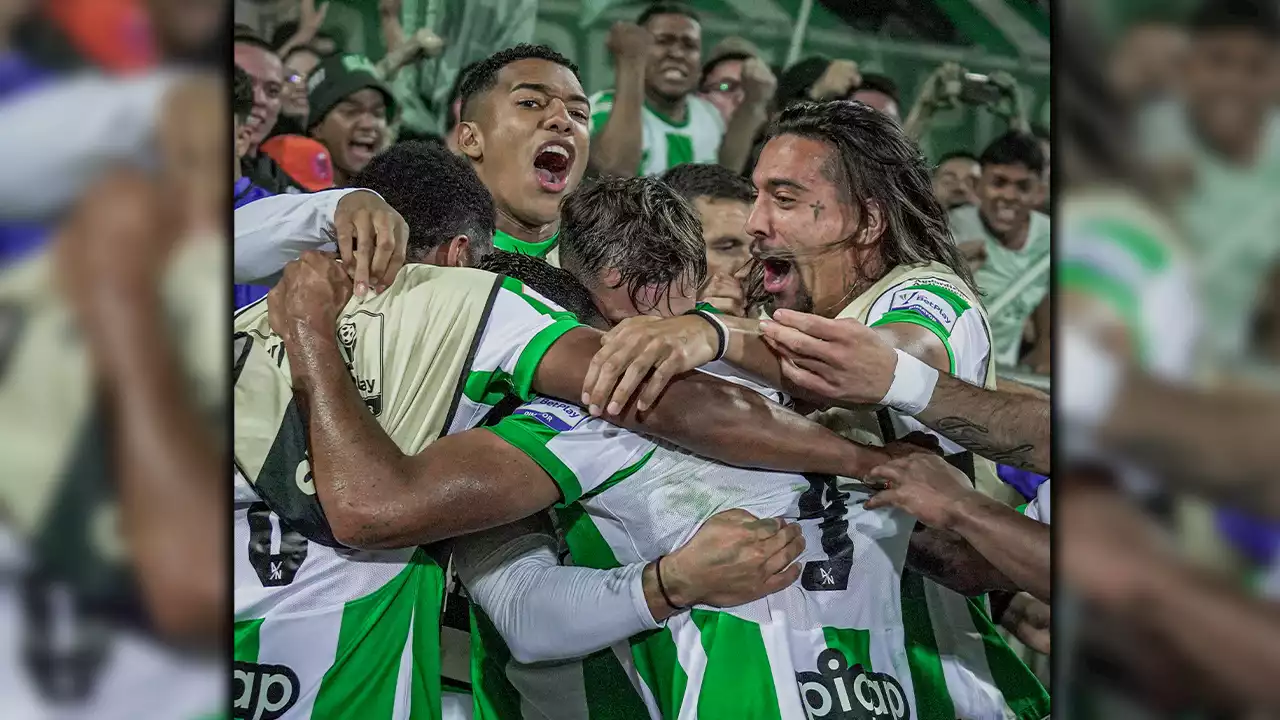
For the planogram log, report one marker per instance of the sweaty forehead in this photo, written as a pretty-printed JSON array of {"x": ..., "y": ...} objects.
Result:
[
  {"x": 558, "y": 78},
  {"x": 788, "y": 159}
]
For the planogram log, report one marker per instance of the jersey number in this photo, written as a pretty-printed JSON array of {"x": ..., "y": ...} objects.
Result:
[
  {"x": 279, "y": 568},
  {"x": 823, "y": 500}
]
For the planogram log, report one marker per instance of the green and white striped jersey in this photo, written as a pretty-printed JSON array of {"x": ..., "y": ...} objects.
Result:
[
  {"x": 666, "y": 142},
  {"x": 323, "y": 631},
  {"x": 840, "y": 643},
  {"x": 1117, "y": 250}
]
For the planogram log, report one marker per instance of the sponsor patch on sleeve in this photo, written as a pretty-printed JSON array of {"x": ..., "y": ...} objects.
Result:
[
  {"x": 557, "y": 415},
  {"x": 930, "y": 305}
]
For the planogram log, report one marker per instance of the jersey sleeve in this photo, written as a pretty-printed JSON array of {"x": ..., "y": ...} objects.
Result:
[
  {"x": 582, "y": 454},
  {"x": 274, "y": 230},
  {"x": 939, "y": 307},
  {"x": 520, "y": 328}
]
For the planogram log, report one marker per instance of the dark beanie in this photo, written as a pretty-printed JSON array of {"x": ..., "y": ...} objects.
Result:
[
  {"x": 339, "y": 76},
  {"x": 795, "y": 81}
]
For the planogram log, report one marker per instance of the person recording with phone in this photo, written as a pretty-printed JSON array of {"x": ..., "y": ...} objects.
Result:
[{"x": 951, "y": 86}]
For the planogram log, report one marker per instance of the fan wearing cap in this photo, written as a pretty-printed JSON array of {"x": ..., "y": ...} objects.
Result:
[{"x": 350, "y": 109}]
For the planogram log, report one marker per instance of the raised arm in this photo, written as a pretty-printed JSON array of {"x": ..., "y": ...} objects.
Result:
[
  {"x": 370, "y": 236},
  {"x": 758, "y": 84},
  {"x": 617, "y": 141}
]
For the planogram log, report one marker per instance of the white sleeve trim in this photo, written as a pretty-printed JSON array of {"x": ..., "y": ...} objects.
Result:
[
  {"x": 546, "y": 611},
  {"x": 275, "y": 230}
]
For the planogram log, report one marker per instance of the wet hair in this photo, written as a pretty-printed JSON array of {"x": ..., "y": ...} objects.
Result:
[
  {"x": 436, "y": 192},
  {"x": 637, "y": 226},
  {"x": 241, "y": 94},
  {"x": 716, "y": 182},
  {"x": 873, "y": 161},
  {"x": 1015, "y": 148},
  {"x": 484, "y": 74},
  {"x": 881, "y": 84},
  {"x": 667, "y": 8},
  {"x": 553, "y": 283}
]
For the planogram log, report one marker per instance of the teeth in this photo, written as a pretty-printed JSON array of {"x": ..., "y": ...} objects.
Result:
[{"x": 556, "y": 150}]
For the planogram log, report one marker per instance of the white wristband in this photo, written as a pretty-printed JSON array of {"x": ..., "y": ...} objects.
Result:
[
  {"x": 912, "y": 386},
  {"x": 1090, "y": 379}
]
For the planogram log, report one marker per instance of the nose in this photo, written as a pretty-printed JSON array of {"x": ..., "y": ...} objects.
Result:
[
  {"x": 557, "y": 117},
  {"x": 260, "y": 96},
  {"x": 758, "y": 221}
]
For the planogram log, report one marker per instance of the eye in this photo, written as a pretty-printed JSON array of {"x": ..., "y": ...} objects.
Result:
[
  {"x": 579, "y": 115},
  {"x": 527, "y": 102},
  {"x": 784, "y": 201}
]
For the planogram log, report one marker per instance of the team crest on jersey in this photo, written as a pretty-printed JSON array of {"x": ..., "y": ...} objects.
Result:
[
  {"x": 362, "y": 332},
  {"x": 927, "y": 304},
  {"x": 841, "y": 692},
  {"x": 262, "y": 692},
  {"x": 557, "y": 415}
]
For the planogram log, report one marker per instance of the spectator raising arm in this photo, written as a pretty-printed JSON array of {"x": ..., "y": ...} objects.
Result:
[
  {"x": 758, "y": 86},
  {"x": 617, "y": 145}
]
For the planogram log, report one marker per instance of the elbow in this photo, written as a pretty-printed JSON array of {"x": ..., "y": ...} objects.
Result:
[
  {"x": 190, "y": 611},
  {"x": 527, "y": 653},
  {"x": 364, "y": 526}
]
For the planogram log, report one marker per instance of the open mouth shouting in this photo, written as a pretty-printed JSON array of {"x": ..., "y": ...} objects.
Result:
[
  {"x": 362, "y": 149},
  {"x": 777, "y": 274},
  {"x": 552, "y": 164}
]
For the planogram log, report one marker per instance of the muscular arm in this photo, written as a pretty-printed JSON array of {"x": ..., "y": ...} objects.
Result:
[
  {"x": 949, "y": 560},
  {"x": 617, "y": 148},
  {"x": 1015, "y": 545},
  {"x": 1005, "y": 426},
  {"x": 713, "y": 418}
]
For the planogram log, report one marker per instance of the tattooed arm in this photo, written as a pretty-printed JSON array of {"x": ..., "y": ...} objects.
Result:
[{"x": 1008, "y": 426}]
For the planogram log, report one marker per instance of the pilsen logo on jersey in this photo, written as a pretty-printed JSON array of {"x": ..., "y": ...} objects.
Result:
[
  {"x": 850, "y": 693},
  {"x": 262, "y": 692},
  {"x": 366, "y": 328}
]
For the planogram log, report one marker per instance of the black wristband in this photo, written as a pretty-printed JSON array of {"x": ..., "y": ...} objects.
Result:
[
  {"x": 657, "y": 570},
  {"x": 722, "y": 334}
]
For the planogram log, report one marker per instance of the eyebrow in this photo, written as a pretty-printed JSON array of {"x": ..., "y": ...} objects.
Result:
[
  {"x": 546, "y": 90},
  {"x": 775, "y": 183}
]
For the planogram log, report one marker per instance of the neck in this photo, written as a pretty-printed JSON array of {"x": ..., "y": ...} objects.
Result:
[
  {"x": 673, "y": 109},
  {"x": 520, "y": 230},
  {"x": 341, "y": 177}
]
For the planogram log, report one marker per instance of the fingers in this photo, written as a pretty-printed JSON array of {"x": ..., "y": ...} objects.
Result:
[
  {"x": 814, "y": 325},
  {"x": 807, "y": 379},
  {"x": 635, "y": 373},
  {"x": 605, "y": 370},
  {"x": 365, "y": 240},
  {"x": 795, "y": 340},
  {"x": 782, "y": 580},
  {"x": 658, "y": 381},
  {"x": 387, "y": 248},
  {"x": 779, "y": 561}
]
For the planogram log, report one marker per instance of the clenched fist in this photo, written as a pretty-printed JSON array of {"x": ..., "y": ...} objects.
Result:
[{"x": 629, "y": 42}]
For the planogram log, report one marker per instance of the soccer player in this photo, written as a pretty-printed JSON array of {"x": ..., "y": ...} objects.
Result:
[
  {"x": 430, "y": 356},
  {"x": 523, "y": 126},
  {"x": 654, "y": 119},
  {"x": 723, "y": 200},
  {"x": 840, "y": 235}
]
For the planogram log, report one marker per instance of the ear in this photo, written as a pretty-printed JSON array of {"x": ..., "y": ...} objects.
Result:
[
  {"x": 611, "y": 278},
  {"x": 470, "y": 141},
  {"x": 458, "y": 252},
  {"x": 874, "y": 227}
]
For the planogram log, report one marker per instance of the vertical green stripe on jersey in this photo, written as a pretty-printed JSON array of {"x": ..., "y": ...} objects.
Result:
[
  {"x": 494, "y": 697},
  {"x": 364, "y": 678},
  {"x": 679, "y": 149},
  {"x": 1022, "y": 691},
  {"x": 933, "y": 701},
  {"x": 658, "y": 664},
  {"x": 426, "y": 692},
  {"x": 534, "y": 350},
  {"x": 587, "y": 546},
  {"x": 246, "y": 640},
  {"x": 738, "y": 680},
  {"x": 855, "y": 644},
  {"x": 915, "y": 318}
]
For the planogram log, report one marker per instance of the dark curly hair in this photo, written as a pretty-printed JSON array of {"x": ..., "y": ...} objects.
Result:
[
  {"x": 436, "y": 191},
  {"x": 716, "y": 182},
  {"x": 553, "y": 283},
  {"x": 483, "y": 76}
]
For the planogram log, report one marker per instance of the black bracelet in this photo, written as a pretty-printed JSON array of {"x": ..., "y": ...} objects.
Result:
[
  {"x": 722, "y": 332},
  {"x": 657, "y": 569}
]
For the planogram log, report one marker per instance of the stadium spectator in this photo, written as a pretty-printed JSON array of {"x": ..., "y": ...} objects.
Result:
[
  {"x": 1147, "y": 60},
  {"x": 653, "y": 119},
  {"x": 350, "y": 108},
  {"x": 955, "y": 179},
  {"x": 306, "y": 31},
  {"x": 723, "y": 200},
  {"x": 255, "y": 57},
  {"x": 1011, "y": 239},
  {"x": 242, "y": 92},
  {"x": 1041, "y": 134},
  {"x": 298, "y": 65},
  {"x": 880, "y": 92},
  {"x": 721, "y": 83},
  {"x": 307, "y": 161}
]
